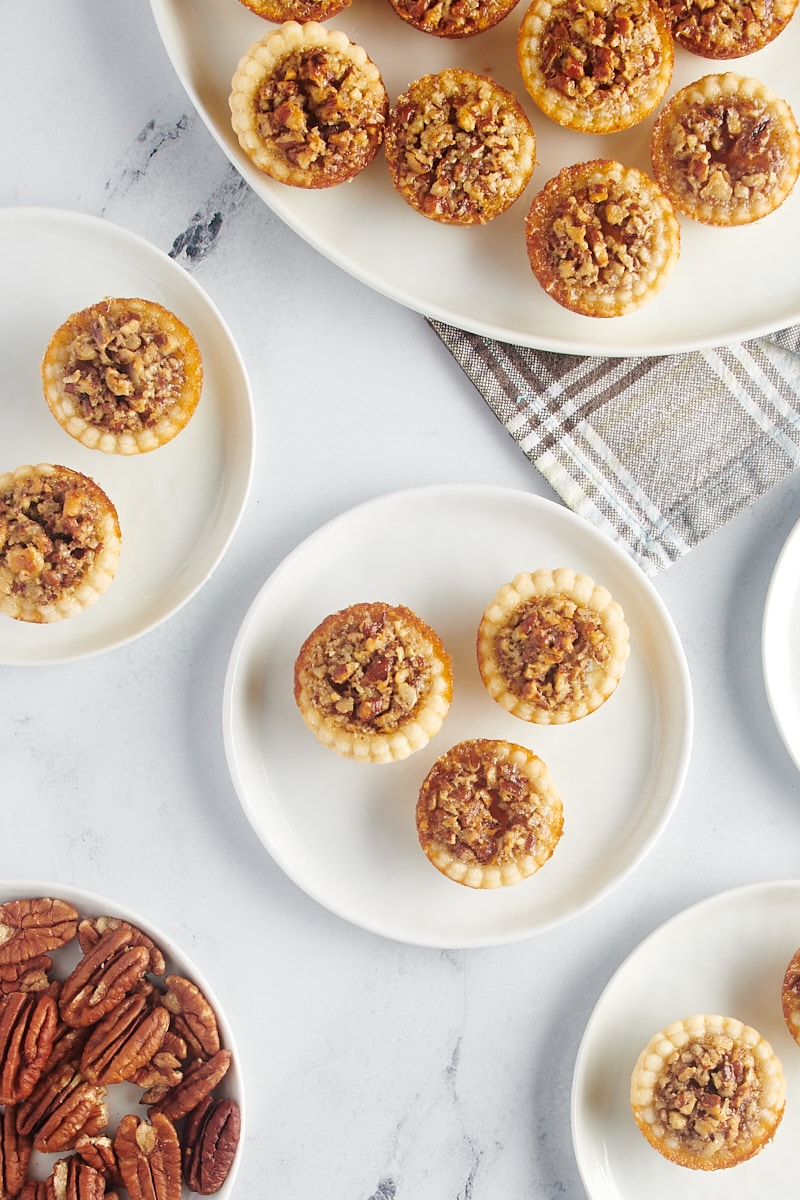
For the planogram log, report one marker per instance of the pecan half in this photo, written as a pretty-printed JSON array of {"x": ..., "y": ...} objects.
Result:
[
  {"x": 125, "y": 1040},
  {"x": 62, "y": 1108},
  {"x": 149, "y": 1157},
  {"x": 28, "y": 1022},
  {"x": 98, "y": 1151},
  {"x": 31, "y": 927},
  {"x": 73, "y": 1179},
  {"x": 199, "y": 1080},
  {"x": 32, "y": 975},
  {"x": 210, "y": 1139},
  {"x": 15, "y": 1155},
  {"x": 91, "y": 929},
  {"x": 111, "y": 970},
  {"x": 193, "y": 1018}
]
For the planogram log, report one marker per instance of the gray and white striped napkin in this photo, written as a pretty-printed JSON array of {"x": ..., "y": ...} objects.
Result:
[{"x": 657, "y": 452}]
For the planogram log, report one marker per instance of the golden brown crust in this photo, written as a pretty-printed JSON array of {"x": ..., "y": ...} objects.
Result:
[
  {"x": 552, "y": 646},
  {"x": 123, "y": 376},
  {"x": 460, "y": 148},
  {"x": 726, "y": 150},
  {"x": 60, "y": 543},
  {"x": 453, "y": 18},
  {"x": 596, "y": 66},
  {"x": 308, "y": 106},
  {"x": 708, "y": 1092},
  {"x": 602, "y": 238},
  {"x": 278, "y": 11},
  {"x": 488, "y": 813},
  {"x": 373, "y": 682},
  {"x": 724, "y": 29}
]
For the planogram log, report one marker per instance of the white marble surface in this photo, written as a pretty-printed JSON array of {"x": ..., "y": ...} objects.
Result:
[{"x": 374, "y": 1070}]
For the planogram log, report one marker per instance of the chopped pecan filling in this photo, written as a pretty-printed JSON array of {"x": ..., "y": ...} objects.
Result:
[
  {"x": 727, "y": 26},
  {"x": 599, "y": 235},
  {"x": 709, "y": 1093},
  {"x": 456, "y": 148},
  {"x": 370, "y": 671},
  {"x": 549, "y": 649},
  {"x": 449, "y": 17},
  {"x": 483, "y": 809},
  {"x": 593, "y": 50},
  {"x": 123, "y": 373},
  {"x": 317, "y": 107},
  {"x": 726, "y": 150},
  {"x": 48, "y": 535}
]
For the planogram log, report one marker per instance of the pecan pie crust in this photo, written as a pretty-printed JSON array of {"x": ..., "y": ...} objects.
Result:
[
  {"x": 488, "y": 813},
  {"x": 308, "y": 106},
  {"x": 726, "y": 150},
  {"x": 596, "y": 66},
  {"x": 373, "y": 682},
  {"x": 60, "y": 543},
  {"x": 460, "y": 147},
  {"x": 123, "y": 376},
  {"x": 602, "y": 238},
  {"x": 724, "y": 29},
  {"x": 453, "y": 18},
  {"x": 552, "y": 646},
  {"x": 708, "y": 1092}
]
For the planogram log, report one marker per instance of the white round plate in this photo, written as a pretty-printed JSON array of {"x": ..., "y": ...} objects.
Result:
[
  {"x": 780, "y": 650},
  {"x": 729, "y": 284},
  {"x": 178, "y": 505},
  {"x": 726, "y": 955},
  {"x": 345, "y": 831},
  {"x": 125, "y": 1098}
]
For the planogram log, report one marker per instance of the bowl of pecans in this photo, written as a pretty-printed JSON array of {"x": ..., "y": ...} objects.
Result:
[{"x": 118, "y": 1073}]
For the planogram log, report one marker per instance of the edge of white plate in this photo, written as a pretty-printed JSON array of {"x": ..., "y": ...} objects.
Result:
[
  {"x": 580, "y": 1067},
  {"x": 677, "y": 652},
  {"x": 773, "y": 659}
]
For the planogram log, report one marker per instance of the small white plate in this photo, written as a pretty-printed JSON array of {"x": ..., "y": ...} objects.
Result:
[
  {"x": 178, "y": 505},
  {"x": 726, "y": 955},
  {"x": 780, "y": 645},
  {"x": 345, "y": 831},
  {"x": 729, "y": 283},
  {"x": 125, "y": 1098}
]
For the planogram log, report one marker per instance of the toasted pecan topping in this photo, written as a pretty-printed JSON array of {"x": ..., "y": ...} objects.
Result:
[
  {"x": 550, "y": 649},
  {"x": 724, "y": 29},
  {"x": 460, "y": 148},
  {"x": 709, "y": 1092},
  {"x": 369, "y": 666},
  {"x": 123, "y": 371},
  {"x": 51, "y": 531}
]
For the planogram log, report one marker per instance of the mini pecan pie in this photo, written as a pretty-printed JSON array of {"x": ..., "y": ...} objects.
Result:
[
  {"x": 596, "y": 66},
  {"x": 726, "y": 150},
  {"x": 60, "y": 543},
  {"x": 308, "y": 106},
  {"x": 552, "y": 646},
  {"x": 279, "y": 11},
  {"x": 123, "y": 376},
  {"x": 722, "y": 29},
  {"x": 453, "y": 18},
  {"x": 602, "y": 238},
  {"x": 460, "y": 148},
  {"x": 708, "y": 1092},
  {"x": 488, "y": 814},
  {"x": 373, "y": 682},
  {"x": 790, "y": 997}
]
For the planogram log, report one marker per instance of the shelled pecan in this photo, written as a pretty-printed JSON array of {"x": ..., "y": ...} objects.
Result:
[
  {"x": 28, "y": 1022},
  {"x": 149, "y": 1157},
  {"x": 34, "y": 926},
  {"x": 210, "y": 1138}
]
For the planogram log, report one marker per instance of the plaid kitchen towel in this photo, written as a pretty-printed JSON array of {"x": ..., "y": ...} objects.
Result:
[{"x": 657, "y": 452}]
